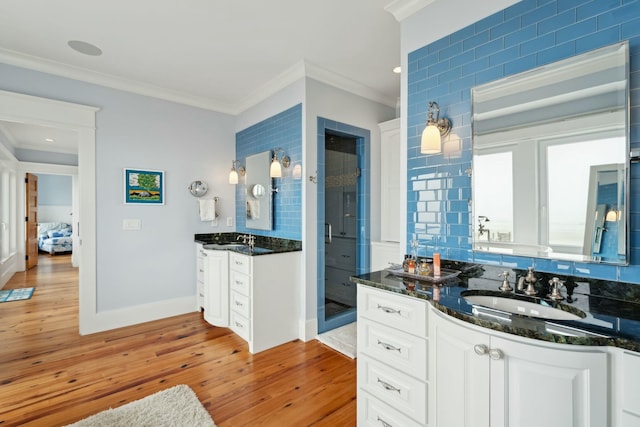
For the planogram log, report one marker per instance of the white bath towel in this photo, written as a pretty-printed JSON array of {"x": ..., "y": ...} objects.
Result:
[
  {"x": 207, "y": 209},
  {"x": 253, "y": 209}
]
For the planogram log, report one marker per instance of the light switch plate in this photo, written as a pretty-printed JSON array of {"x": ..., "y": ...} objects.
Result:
[
  {"x": 229, "y": 221},
  {"x": 131, "y": 224}
]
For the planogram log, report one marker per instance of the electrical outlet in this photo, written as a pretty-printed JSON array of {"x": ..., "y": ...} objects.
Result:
[
  {"x": 229, "y": 221},
  {"x": 131, "y": 224}
]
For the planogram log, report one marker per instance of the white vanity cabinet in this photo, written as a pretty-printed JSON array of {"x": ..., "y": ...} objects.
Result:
[
  {"x": 392, "y": 359},
  {"x": 482, "y": 378},
  {"x": 264, "y": 296},
  {"x": 626, "y": 388},
  {"x": 213, "y": 285}
]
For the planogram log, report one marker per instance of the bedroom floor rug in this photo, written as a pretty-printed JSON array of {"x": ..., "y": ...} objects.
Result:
[
  {"x": 16, "y": 294},
  {"x": 342, "y": 339},
  {"x": 174, "y": 407}
]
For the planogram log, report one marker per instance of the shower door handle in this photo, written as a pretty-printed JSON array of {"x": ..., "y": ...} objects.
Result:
[{"x": 329, "y": 232}]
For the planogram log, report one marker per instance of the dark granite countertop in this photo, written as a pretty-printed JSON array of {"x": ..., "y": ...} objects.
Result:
[
  {"x": 263, "y": 245},
  {"x": 611, "y": 310}
]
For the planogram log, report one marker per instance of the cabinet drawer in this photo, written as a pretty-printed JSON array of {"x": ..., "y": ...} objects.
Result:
[
  {"x": 240, "y": 263},
  {"x": 401, "y": 391},
  {"x": 404, "y": 313},
  {"x": 403, "y": 351},
  {"x": 240, "y": 304},
  {"x": 240, "y": 283},
  {"x": 200, "y": 291},
  {"x": 200, "y": 270},
  {"x": 373, "y": 413},
  {"x": 241, "y": 326}
]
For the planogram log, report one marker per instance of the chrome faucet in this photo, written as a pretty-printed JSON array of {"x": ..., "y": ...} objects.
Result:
[
  {"x": 248, "y": 239},
  {"x": 505, "y": 282},
  {"x": 554, "y": 288},
  {"x": 531, "y": 280}
]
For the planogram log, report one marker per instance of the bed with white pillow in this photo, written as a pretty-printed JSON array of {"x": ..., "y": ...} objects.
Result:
[{"x": 55, "y": 237}]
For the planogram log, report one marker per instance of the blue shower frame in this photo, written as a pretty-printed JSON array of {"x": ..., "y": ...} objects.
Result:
[{"x": 363, "y": 239}]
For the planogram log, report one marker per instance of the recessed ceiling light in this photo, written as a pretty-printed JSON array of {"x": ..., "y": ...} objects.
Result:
[
  {"x": 84, "y": 47},
  {"x": 397, "y": 70},
  {"x": 49, "y": 139}
]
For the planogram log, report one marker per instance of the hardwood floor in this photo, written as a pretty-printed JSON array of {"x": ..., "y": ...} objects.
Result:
[{"x": 52, "y": 376}]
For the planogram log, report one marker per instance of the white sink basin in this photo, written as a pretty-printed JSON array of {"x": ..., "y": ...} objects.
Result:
[{"x": 523, "y": 308}]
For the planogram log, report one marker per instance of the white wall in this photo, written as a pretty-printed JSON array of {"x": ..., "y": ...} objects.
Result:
[{"x": 155, "y": 264}]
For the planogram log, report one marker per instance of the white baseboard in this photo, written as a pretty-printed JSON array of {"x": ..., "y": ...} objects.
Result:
[
  {"x": 308, "y": 329},
  {"x": 113, "y": 319}
]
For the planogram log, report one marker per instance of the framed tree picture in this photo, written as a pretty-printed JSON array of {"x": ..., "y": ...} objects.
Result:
[{"x": 143, "y": 186}]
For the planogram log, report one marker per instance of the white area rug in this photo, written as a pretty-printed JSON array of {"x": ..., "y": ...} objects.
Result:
[
  {"x": 342, "y": 339},
  {"x": 176, "y": 406}
]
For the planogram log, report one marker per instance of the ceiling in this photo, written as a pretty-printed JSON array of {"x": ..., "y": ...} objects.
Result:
[{"x": 222, "y": 55}]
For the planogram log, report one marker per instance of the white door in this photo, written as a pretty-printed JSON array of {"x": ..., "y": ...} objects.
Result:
[
  {"x": 459, "y": 370},
  {"x": 534, "y": 386},
  {"x": 216, "y": 288}
]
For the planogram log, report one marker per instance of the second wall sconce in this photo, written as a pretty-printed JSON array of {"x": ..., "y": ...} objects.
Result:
[
  {"x": 275, "y": 171},
  {"x": 233, "y": 175},
  {"x": 431, "y": 142}
]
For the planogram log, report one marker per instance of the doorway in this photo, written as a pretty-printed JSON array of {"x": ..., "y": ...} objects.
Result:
[
  {"x": 343, "y": 215},
  {"x": 16, "y": 107}
]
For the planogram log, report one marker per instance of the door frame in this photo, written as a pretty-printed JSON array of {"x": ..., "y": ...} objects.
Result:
[
  {"x": 53, "y": 169},
  {"x": 363, "y": 220},
  {"x": 17, "y": 107}
]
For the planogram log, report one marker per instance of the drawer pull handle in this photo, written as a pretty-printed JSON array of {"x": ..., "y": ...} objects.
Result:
[
  {"x": 201, "y": 271},
  {"x": 239, "y": 263},
  {"x": 238, "y": 282},
  {"x": 388, "y": 386},
  {"x": 346, "y": 256},
  {"x": 239, "y": 325},
  {"x": 239, "y": 304},
  {"x": 383, "y": 422},
  {"x": 388, "y": 309},
  {"x": 203, "y": 253},
  {"x": 389, "y": 346}
]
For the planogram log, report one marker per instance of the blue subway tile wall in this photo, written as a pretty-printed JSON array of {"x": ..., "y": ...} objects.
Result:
[
  {"x": 526, "y": 35},
  {"x": 284, "y": 130}
]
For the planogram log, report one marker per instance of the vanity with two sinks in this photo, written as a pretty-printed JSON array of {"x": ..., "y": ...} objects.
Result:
[{"x": 485, "y": 353}]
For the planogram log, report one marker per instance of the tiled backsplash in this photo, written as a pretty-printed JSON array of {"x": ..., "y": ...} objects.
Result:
[
  {"x": 524, "y": 36},
  {"x": 284, "y": 130}
]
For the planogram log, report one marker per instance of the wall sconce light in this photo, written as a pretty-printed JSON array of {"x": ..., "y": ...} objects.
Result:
[
  {"x": 613, "y": 215},
  {"x": 431, "y": 142},
  {"x": 275, "y": 171},
  {"x": 233, "y": 175},
  {"x": 297, "y": 171}
]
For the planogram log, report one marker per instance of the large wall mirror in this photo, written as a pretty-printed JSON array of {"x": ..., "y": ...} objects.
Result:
[
  {"x": 550, "y": 160},
  {"x": 258, "y": 192}
]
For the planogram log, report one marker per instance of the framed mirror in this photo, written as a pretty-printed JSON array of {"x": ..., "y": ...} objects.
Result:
[
  {"x": 550, "y": 160},
  {"x": 258, "y": 192}
]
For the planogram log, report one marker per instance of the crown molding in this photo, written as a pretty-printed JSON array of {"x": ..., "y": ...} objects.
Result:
[
  {"x": 402, "y": 9},
  {"x": 299, "y": 70},
  {"x": 336, "y": 80},
  {"x": 304, "y": 68},
  {"x": 284, "y": 79},
  {"x": 77, "y": 73}
]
